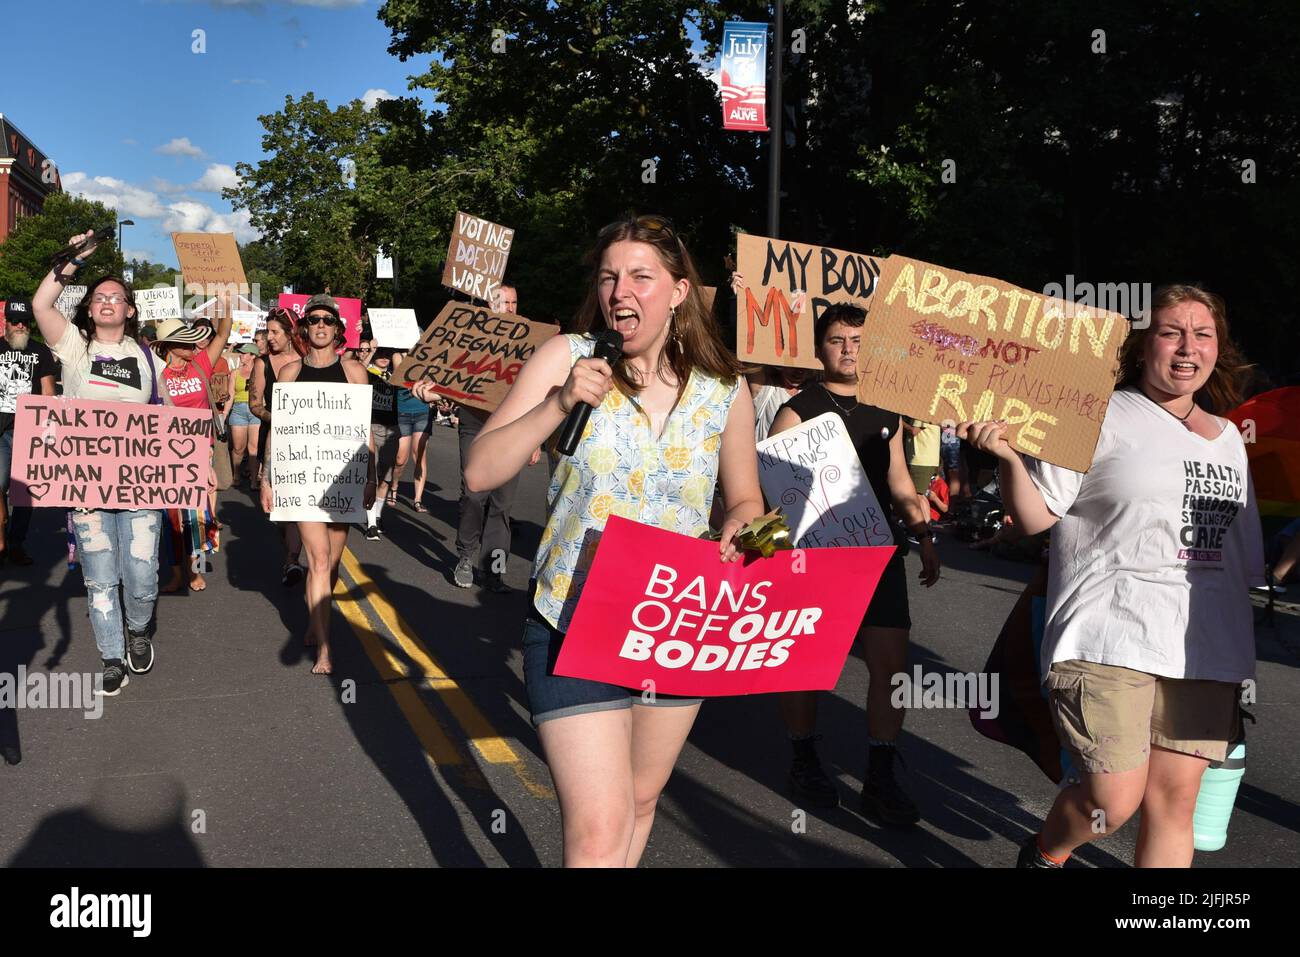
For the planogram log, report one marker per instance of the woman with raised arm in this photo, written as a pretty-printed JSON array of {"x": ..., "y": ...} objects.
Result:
[
  {"x": 1149, "y": 632},
  {"x": 322, "y": 332},
  {"x": 281, "y": 352},
  {"x": 670, "y": 417},
  {"x": 103, "y": 359}
]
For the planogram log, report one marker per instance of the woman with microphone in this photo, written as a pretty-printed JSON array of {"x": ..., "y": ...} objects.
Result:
[
  {"x": 1149, "y": 631},
  {"x": 670, "y": 416}
]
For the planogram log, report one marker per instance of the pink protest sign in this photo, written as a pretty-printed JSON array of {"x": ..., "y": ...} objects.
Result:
[
  {"x": 349, "y": 311},
  {"x": 662, "y": 607},
  {"x": 80, "y": 453}
]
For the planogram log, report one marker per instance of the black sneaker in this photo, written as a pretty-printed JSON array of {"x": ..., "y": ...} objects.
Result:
[
  {"x": 882, "y": 799},
  {"x": 139, "y": 652},
  {"x": 372, "y": 533},
  {"x": 809, "y": 784},
  {"x": 493, "y": 582},
  {"x": 17, "y": 555},
  {"x": 115, "y": 678},
  {"x": 293, "y": 574},
  {"x": 1031, "y": 856}
]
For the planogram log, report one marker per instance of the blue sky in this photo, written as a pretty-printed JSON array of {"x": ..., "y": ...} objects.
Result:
[{"x": 158, "y": 130}]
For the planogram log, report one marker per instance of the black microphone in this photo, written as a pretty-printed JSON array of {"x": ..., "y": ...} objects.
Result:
[
  {"x": 609, "y": 346},
  {"x": 64, "y": 255}
]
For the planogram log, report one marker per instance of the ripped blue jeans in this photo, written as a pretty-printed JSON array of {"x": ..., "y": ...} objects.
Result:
[{"x": 118, "y": 546}]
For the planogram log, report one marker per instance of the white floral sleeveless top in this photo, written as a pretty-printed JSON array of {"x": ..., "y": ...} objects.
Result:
[{"x": 619, "y": 468}]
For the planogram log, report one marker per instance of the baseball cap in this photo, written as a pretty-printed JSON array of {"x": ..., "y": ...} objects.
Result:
[
  {"x": 321, "y": 301},
  {"x": 18, "y": 311}
]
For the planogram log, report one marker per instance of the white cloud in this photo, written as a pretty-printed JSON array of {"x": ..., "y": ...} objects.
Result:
[
  {"x": 127, "y": 141},
  {"x": 181, "y": 146},
  {"x": 373, "y": 96},
  {"x": 182, "y": 214},
  {"x": 128, "y": 200},
  {"x": 215, "y": 178},
  {"x": 130, "y": 254}
]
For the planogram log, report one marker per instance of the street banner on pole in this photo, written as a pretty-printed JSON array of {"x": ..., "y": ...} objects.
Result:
[{"x": 744, "y": 76}]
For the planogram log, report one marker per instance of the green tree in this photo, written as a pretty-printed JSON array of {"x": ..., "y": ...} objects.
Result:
[{"x": 25, "y": 255}]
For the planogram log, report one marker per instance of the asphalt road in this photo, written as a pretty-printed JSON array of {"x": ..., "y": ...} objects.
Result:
[{"x": 418, "y": 750}]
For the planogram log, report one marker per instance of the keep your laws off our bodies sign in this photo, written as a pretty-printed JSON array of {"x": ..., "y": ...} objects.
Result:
[
  {"x": 942, "y": 345},
  {"x": 660, "y": 611},
  {"x": 82, "y": 453},
  {"x": 812, "y": 472},
  {"x": 320, "y": 455},
  {"x": 785, "y": 288},
  {"x": 472, "y": 354}
]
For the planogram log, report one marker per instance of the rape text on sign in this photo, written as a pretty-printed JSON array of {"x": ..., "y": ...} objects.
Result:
[
  {"x": 661, "y": 607},
  {"x": 943, "y": 345},
  {"x": 84, "y": 453}
]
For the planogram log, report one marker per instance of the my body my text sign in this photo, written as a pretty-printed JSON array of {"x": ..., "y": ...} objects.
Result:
[
  {"x": 812, "y": 471},
  {"x": 472, "y": 354},
  {"x": 476, "y": 256},
  {"x": 786, "y": 287},
  {"x": 81, "y": 453},
  {"x": 661, "y": 607},
  {"x": 320, "y": 436},
  {"x": 942, "y": 345}
]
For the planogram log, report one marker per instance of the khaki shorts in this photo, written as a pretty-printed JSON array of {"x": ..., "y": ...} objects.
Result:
[{"x": 1108, "y": 717}]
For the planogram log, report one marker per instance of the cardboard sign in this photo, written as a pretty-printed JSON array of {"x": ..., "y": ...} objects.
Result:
[
  {"x": 743, "y": 76},
  {"x": 476, "y": 256},
  {"x": 661, "y": 607},
  {"x": 155, "y": 305},
  {"x": 69, "y": 299},
  {"x": 786, "y": 287},
  {"x": 394, "y": 328},
  {"x": 942, "y": 345},
  {"x": 812, "y": 471},
  {"x": 211, "y": 261},
  {"x": 246, "y": 323},
  {"x": 320, "y": 435},
  {"x": 472, "y": 354},
  {"x": 83, "y": 453},
  {"x": 349, "y": 312}
]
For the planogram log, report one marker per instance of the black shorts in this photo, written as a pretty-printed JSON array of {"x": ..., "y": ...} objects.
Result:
[{"x": 888, "y": 608}]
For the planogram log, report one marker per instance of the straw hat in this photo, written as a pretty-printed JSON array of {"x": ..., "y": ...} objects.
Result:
[{"x": 177, "y": 332}]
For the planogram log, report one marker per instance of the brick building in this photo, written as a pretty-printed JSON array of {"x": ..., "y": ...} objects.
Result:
[{"x": 26, "y": 177}]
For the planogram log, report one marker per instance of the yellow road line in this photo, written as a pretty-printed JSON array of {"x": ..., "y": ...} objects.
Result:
[
  {"x": 437, "y": 745},
  {"x": 487, "y": 741}
]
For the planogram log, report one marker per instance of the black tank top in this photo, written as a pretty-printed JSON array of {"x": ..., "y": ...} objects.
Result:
[
  {"x": 330, "y": 373},
  {"x": 869, "y": 428}
]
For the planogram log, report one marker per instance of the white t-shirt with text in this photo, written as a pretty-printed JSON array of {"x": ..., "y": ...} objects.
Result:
[
  {"x": 111, "y": 371},
  {"x": 1157, "y": 546}
]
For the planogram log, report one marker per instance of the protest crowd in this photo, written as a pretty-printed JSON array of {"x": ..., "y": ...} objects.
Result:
[{"x": 662, "y": 438}]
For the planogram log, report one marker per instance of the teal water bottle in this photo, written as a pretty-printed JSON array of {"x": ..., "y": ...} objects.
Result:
[{"x": 1217, "y": 795}]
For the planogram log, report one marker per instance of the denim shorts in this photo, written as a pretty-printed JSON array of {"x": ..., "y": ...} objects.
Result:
[
  {"x": 239, "y": 415},
  {"x": 555, "y": 696},
  {"x": 413, "y": 423}
]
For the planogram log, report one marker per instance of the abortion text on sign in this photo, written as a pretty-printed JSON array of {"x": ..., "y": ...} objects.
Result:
[
  {"x": 786, "y": 287},
  {"x": 812, "y": 471},
  {"x": 320, "y": 435},
  {"x": 472, "y": 354},
  {"x": 942, "y": 345},
  {"x": 82, "y": 453},
  {"x": 476, "y": 256},
  {"x": 661, "y": 612}
]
